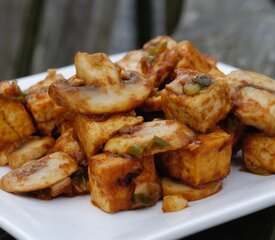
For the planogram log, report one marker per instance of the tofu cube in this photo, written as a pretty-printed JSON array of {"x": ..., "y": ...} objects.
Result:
[
  {"x": 198, "y": 106},
  {"x": 111, "y": 181},
  {"x": 259, "y": 153},
  {"x": 92, "y": 133},
  {"x": 67, "y": 144},
  {"x": 46, "y": 114},
  {"x": 15, "y": 122},
  {"x": 120, "y": 182},
  {"x": 192, "y": 58},
  {"x": 208, "y": 162}
]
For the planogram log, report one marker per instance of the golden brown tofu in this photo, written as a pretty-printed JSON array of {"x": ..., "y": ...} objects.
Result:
[
  {"x": 120, "y": 182},
  {"x": 208, "y": 162},
  {"x": 191, "y": 58},
  {"x": 15, "y": 122},
  {"x": 29, "y": 149},
  {"x": 199, "y": 101},
  {"x": 111, "y": 181},
  {"x": 46, "y": 114},
  {"x": 67, "y": 144},
  {"x": 147, "y": 185},
  {"x": 259, "y": 153},
  {"x": 172, "y": 187},
  {"x": 93, "y": 132},
  {"x": 39, "y": 174},
  {"x": 151, "y": 137},
  {"x": 253, "y": 96}
]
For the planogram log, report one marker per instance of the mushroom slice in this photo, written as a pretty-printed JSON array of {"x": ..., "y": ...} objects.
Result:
[
  {"x": 151, "y": 137},
  {"x": 171, "y": 187},
  {"x": 29, "y": 149},
  {"x": 99, "y": 87},
  {"x": 253, "y": 96},
  {"x": 173, "y": 203},
  {"x": 155, "y": 61},
  {"x": 39, "y": 174}
]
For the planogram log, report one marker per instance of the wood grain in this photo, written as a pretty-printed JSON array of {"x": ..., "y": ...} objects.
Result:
[{"x": 240, "y": 33}]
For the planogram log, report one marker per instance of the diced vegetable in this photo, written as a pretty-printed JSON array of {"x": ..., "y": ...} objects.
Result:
[
  {"x": 203, "y": 80},
  {"x": 160, "y": 142},
  {"x": 136, "y": 150},
  {"x": 191, "y": 88}
]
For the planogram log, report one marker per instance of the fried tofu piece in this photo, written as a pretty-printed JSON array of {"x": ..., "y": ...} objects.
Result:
[
  {"x": 172, "y": 187},
  {"x": 39, "y": 174},
  {"x": 151, "y": 137},
  {"x": 147, "y": 185},
  {"x": 259, "y": 153},
  {"x": 174, "y": 203},
  {"x": 67, "y": 144},
  {"x": 111, "y": 181},
  {"x": 191, "y": 58},
  {"x": 253, "y": 96},
  {"x": 121, "y": 182},
  {"x": 15, "y": 122},
  {"x": 207, "y": 162},
  {"x": 29, "y": 149},
  {"x": 93, "y": 132},
  {"x": 46, "y": 114},
  {"x": 199, "y": 101}
]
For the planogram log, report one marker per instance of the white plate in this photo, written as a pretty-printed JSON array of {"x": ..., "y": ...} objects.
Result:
[{"x": 76, "y": 218}]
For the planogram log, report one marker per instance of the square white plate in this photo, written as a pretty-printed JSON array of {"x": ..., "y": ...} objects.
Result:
[{"x": 76, "y": 218}]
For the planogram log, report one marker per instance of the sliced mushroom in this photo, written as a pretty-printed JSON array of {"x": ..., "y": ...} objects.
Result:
[
  {"x": 253, "y": 95},
  {"x": 29, "y": 149},
  {"x": 171, "y": 187},
  {"x": 39, "y": 174},
  {"x": 151, "y": 137},
  {"x": 99, "y": 87}
]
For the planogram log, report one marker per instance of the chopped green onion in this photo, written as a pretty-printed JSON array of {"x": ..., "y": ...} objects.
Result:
[
  {"x": 160, "y": 142},
  {"x": 203, "y": 80},
  {"x": 257, "y": 170},
  {"x": 136, "y": 150},
  {"x": 191, "y": 88},
  {"x": 141, "y": 198}
]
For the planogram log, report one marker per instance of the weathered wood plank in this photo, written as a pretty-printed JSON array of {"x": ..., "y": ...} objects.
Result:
[
  {"x": 12, "y": 19},
  {"x": 240, "y": 33},
  {"x": 69, "y": 26}
]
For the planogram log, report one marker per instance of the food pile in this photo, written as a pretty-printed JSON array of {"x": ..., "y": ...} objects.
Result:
[{"x": 161, "y": 123}]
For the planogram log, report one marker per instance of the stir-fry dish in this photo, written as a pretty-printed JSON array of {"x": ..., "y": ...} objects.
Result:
[{"x": 162, "y": 123}]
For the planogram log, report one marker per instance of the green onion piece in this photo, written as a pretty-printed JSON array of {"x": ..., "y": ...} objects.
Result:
[
  {"x": 141, "y": 198},
  {"x": 203, "y": 80},
  {"x": 191, "y": 89},
  {"x": 160, "y": 142},
  {"x": 136, "y": 150},
  {"x": 257, "y": 170}
]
